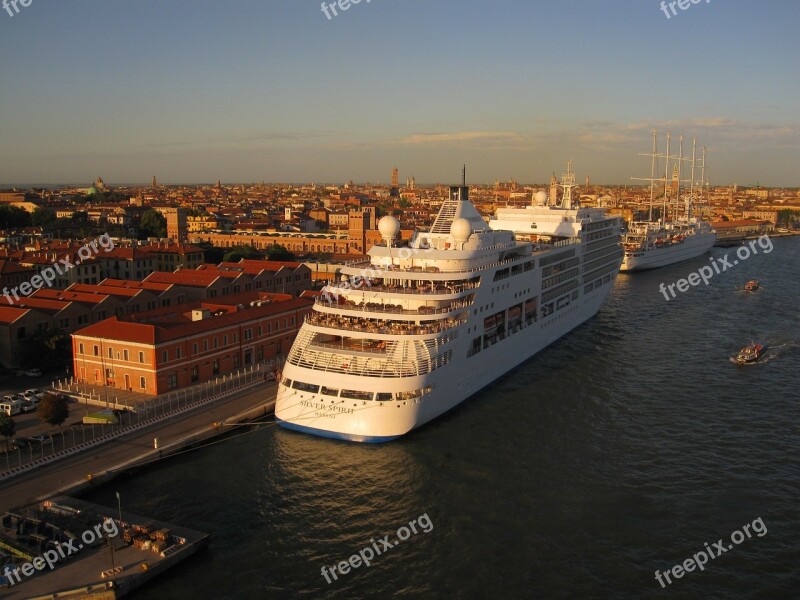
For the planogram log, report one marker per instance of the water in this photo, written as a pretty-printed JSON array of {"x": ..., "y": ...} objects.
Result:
[{"x": 620, "y": 450}]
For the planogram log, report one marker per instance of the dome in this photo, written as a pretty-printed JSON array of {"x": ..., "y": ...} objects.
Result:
[
  {"x": 461, "y": 229},
  {"x": 389, "y": 227},
  {"x": 91, "y": 191},
  {"x": 541, "y": 198}
]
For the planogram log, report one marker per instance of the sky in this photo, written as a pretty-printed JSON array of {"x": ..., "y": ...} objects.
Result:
[{"x": 193, "y": 91}]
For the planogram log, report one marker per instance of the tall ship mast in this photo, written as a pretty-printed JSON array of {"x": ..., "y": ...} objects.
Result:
[
  {"x": 676, "y": 236},
  {"x": 419, "y": 328}
]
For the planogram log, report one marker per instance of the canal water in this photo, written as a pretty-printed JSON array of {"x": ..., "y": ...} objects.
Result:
[{"x": 621, "y": 450}]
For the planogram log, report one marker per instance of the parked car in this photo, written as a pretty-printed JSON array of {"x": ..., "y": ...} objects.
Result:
[
  {"x": 21, "y": 442},
  {"x": 11, "y": 406},
  {"x": 42, "y": 437},
  {"x": 35, "y": 400},
  {"x": 33, "y": 372},
  {"x": 28, "y": 406},
  {"x": 32, "y": 393}
]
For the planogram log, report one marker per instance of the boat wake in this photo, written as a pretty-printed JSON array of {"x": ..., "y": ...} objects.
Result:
[{"x": 772, "y": 352}]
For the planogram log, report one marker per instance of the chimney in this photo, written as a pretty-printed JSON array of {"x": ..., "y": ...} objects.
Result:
[{"x": 199, "y": 314}]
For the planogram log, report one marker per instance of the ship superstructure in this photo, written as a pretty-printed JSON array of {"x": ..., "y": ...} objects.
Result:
[{"x": 418, "y": 329}]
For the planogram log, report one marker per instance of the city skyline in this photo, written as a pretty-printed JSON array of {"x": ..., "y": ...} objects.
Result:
[{"x": 280, "y": 93}]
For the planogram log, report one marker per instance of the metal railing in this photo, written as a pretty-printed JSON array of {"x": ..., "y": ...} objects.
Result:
[{"x": 132, "y": 415}]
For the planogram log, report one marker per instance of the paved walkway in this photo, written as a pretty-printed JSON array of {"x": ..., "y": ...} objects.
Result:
[{"x": 48, "y": 479}]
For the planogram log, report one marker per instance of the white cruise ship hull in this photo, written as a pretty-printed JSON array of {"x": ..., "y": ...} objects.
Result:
[
  {"x": 369, "y": 421},
  {"x": 693, "y": 246},
  {"x": 422, "y": 328}
]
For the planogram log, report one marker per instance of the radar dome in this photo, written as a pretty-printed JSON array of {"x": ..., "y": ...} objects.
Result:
[
  {"x": 541, "y": 198},
  {"x": 389, "y": 227},
  {"x": 461, "y": 229}
]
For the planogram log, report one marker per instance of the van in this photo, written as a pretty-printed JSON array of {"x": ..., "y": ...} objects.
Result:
[{"x": 11, "y": 408}]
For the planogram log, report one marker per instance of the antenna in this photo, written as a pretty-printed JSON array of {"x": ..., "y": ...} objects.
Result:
[{"x": 464, "y": 175}]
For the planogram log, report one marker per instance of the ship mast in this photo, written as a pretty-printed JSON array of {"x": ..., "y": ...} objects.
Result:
[
  {"x": 678, "y": 185},
  {"x": 691, "y": 184},
  {"x": 653, "y": 173},
  {"x": 666, "y": 183},
  {"x": 654, "y": 156},
  {"x": 567, "y": 184}
]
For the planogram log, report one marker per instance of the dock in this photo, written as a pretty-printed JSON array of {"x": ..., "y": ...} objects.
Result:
[
  {"x": 81, "y": 576},
  {"x": 141, "y": 548}
]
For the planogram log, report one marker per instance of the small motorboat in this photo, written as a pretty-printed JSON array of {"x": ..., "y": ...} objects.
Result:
[
  {"x": 750, "y": 354},
  {"x": 751, "y": 286}
]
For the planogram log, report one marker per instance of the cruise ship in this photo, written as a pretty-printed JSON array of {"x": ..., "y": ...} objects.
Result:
[
  {"x": 651, "y": 244},
  {"x": 416, "y": 330}
]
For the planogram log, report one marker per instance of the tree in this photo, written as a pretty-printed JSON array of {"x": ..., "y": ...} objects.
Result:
[
  {"x": 53, "y": 410},
  {"x": 246, "y": 252},
  {"x": 213, "y": 254},
  {"x": 7, "y": 427},
  {"x": 43, "y": 217},
  {"x": 47, "y": 349},
  {"x": 13, "y": 216},
  {"x": 278, "y": 252},
  {"x": 788, "y": 218},
  {"x": 152, "y": 224}
]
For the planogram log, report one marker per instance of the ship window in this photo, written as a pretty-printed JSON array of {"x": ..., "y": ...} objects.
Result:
[
  {"x": 305, "y": 387},
  {"x": 409, "y": 395},
  {"x": 287, "y": 382},
  {"x": 329, "y": 391},
  {"x": 384, "y": 396},
  {"x": 356, "y": 395}
]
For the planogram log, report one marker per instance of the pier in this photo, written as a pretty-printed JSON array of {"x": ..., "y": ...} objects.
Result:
[
  {"x": 57, "y": 482},
  {"x": 140, "y": 549}
]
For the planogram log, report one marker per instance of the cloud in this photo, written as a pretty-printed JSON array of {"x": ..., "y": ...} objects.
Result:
[{"x": 462, "y": 136}]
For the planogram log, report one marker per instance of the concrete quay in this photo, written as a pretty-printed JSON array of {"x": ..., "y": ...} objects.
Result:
[{"x": 98, "y": 465}]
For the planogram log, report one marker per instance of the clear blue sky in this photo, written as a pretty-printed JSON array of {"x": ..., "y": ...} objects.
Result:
[{"x": 251, "y": 90}]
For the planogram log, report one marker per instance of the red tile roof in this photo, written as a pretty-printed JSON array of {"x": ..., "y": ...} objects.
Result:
[
  {"x": 7, "y": 267},
  {"x": 67, "y": 296},
  {"x": 136, "y": 285},
  {"x": 187, "y": 277},
  {"x": 221, "y": 271},
  {"x": 43, "y": 304},
  {"x": 173, "y": 323},
  {"x": 107, "y": 290},
  {"x": 268, "y": 265},
  {"x": 9, "y": 314}
]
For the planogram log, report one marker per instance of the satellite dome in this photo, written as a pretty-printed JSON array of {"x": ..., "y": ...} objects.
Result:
[
  {"x": 541, "y": 198},
  {"x": 389, "y": 227},
  {"x": 461, "y": 229}
]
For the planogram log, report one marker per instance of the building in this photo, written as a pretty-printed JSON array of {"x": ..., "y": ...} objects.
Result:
[
  {"x": 296, "y": 243},
  {"x": 735, "y": 231},
  {"x": 127, "y": 263},
  {"x": 177, "y": 227},
  {"x": 202, "y": 223},
  {"x": 172, "y": 256},
  {"x": 12, "y": 274},
  {"x": 761, "y": 215},
  {"x": 174, "y": 347},
  {"x": 12, "y": 197},
  {"x": 759, "y": 193}
]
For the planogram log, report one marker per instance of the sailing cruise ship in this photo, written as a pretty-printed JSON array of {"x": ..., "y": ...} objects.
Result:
[
  {"x": 651, "y": 244},
  {"x": 418, "y": 329}
]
